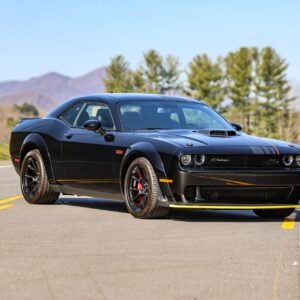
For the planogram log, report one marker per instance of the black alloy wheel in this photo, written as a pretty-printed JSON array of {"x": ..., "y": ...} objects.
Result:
[
  {"x": 34, "y": 180},
  {"x": 142, "y": 190},
  {"x": 31, "y": 178},
  {"x": 138, "y": 188}
]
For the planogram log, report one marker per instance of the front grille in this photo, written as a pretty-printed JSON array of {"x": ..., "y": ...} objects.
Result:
[
  {"x": 244, "y": 194},
  {"x": 244, "y": 161}
]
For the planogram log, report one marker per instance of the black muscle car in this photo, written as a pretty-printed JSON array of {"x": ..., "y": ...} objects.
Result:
[{"x": 156, "y": 152}]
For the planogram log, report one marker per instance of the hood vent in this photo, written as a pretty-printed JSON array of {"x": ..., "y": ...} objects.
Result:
[{"x": 222, "y": 133}]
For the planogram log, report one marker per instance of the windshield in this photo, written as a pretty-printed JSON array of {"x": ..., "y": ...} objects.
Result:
[{"x": 139, "y": 115}]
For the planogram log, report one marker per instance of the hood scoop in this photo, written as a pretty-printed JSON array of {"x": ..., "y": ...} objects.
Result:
[{"x": 221, "y": 133}]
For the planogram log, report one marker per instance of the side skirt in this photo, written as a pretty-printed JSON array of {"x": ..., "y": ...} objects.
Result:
[{"x": 84, "y": 192}]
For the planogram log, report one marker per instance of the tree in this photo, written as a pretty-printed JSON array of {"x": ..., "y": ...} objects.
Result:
[
  {"x": 152, "y": 70},
  {"x": 118, "y": 76},
  {"x": 27, "y": 109},
  {"x": 138, "y": 81},
  {"x": 239, "y": 75},
  {"x": 171, "y": 75},
  {"x": 249, "y": 85},
  {"x": 155, "y": 75},
  {"x": 161, "y": 75},
  {"x": 205, "y": 80},
  {"x": 272, "y": 90},
  {"x": 11, "y": 122}
]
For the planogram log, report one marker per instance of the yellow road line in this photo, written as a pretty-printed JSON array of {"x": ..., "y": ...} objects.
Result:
[
  {"x": 2, "y": 207},
  {"x": 233, "y": 206},
  {"x": 11, "y": 199},
  {"x": 289, "y": 223}
]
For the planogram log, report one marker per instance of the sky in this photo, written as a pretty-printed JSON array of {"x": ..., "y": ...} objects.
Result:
[{"x": 73, "y": 37}]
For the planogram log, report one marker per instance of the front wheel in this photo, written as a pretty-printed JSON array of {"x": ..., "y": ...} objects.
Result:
[
  {"x": 142, "y": 189},
  {"x": 274, "y": 213},
  {"x": 34, "y": 181}
]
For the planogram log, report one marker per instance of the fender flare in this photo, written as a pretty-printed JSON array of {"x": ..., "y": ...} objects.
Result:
[
  {"x": 147, "y": 150},
  {"x": 35, "y": 141}
]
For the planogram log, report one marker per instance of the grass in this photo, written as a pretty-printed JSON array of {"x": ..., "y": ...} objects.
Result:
[{"x": 4, "y": 152}]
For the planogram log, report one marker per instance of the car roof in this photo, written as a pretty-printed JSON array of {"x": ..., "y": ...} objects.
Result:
[
  {"x": 120, "y": 97},
  {"x": 116, "y": 97}
]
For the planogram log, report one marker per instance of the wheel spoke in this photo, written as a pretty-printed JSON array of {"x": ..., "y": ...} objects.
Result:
[
  {"x": 138, "y": 172},
  {"x": 139, "y": 201},
  {"x": 30, "y": 167},
  {"x": 136, "y": 198},
  {"x": 138, "y": 179},
  {"x": 32, "y": 183},
  {"x": 34, "y": 188},
  {"x": 142, "y": 202},
  {"x": 35, "y": 166}
]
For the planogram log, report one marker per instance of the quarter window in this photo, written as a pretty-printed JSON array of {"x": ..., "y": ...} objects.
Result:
[{"x": 71, "y": 115}]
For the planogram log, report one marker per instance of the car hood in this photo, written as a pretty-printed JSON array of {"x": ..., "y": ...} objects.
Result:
[{"x": 238, "y": 143}]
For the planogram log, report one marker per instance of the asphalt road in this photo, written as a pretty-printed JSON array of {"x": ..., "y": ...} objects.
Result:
[{"x": 83, "y": 248}]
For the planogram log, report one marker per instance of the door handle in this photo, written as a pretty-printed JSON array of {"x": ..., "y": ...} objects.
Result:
[{"x": 68, "y": 135}]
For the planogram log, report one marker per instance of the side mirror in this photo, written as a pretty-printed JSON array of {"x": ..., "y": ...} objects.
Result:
[
  {"x": 237, "y": 126},
  {"x": 94, "y": 125}
]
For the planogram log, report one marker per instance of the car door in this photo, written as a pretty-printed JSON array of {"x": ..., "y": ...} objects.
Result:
[{"x": 86, "y": 155}]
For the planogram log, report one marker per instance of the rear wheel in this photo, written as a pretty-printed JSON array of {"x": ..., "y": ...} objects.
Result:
[
  {"x": 34, "y": 181},
  {"x": 142, "y": 189},
  {"x": 274, "y": 213}
]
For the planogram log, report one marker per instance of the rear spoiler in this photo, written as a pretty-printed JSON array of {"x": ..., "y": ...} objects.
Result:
[{"x": 27, "y": 119}]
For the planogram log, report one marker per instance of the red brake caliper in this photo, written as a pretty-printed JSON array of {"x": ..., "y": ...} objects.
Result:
[{"x": 139, "y": 186}]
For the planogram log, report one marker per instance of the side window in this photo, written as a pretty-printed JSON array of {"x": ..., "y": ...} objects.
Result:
[
  {"x": 96, "y": 111},
  {"x": 71, "y": 114}
]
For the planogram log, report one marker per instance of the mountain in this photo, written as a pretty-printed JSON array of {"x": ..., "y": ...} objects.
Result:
[{"x": 48, "y": 90}]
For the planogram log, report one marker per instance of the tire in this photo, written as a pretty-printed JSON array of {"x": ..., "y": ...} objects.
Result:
[
  {"x": 274, "y": 213},
  {"x": 34, "y": 180},
  {"x": 141, "y": 191}
]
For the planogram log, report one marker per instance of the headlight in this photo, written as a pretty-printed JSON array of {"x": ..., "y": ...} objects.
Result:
[
  {"x": 200, "y": 159},
  {"x": 185, "y": 159},
  {"x": 287, "y": 160},
  {"x": 298, "y": 160}
]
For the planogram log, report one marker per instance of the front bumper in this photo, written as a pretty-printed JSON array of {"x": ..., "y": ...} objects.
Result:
[{"x": 243, "y": 189}]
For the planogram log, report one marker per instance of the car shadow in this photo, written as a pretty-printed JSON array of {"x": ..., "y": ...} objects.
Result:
[
  {"x": 175, "y": 214},
  {"x": 101, "y": 204}
]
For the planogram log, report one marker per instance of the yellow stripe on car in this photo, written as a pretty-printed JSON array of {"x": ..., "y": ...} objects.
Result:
[{"x": 239, "y": 207}]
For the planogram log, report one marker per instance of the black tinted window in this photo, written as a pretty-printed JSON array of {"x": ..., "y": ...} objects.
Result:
[
  {"x": 169, "y": 115},
  {"x": 70, "y": 115}
]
